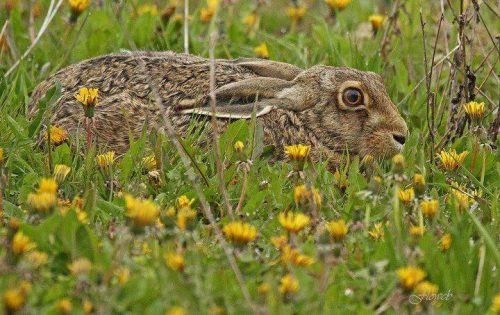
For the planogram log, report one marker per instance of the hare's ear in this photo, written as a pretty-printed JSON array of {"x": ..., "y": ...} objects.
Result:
[
  {"x": 269, "y": 68},
  {"x": 261, "y": 86},
  {"x": 239, "y": 111},
  {"x": 260, "y": 95}
]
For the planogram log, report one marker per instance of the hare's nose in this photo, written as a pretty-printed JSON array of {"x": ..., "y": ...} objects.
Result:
[{"x": 399, "y": 139}]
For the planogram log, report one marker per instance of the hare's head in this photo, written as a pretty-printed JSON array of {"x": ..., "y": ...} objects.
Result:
[{"x": 345, "y": 108}]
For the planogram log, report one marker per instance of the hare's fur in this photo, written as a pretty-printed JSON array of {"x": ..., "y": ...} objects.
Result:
[{"x": 298, "y": 106}]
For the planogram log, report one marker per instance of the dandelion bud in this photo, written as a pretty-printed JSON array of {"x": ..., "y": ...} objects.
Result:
[
  {"x": 14, "y": 300},
  {"x": 239, "y": 146},
  {"x": 338, "y": 4},
  {"x": 174, "y": 261},
  {"x": 429, "y": 208},
  {"x": 61, "y": 171},
  {"x": 296, "y": 13},
  {"x": 289, "y": 285},
  {"x": 64, "y": 306},
  {"x": 419, "y": 183},
  {"x": 261, "y": 51},
  {"x": 250, "y": 20},
  {"x": 77, "y": 7},
  {"x": 445, "y": 242},
  {"x": 377, "y": 21},
  {"x": 398, "y": 162}
]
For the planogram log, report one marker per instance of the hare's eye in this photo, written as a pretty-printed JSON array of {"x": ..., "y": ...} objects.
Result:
[{"x": 352, "y": 97}]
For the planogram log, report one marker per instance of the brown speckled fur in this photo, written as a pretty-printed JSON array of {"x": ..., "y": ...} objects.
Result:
[{"x": 126, "y": 102}]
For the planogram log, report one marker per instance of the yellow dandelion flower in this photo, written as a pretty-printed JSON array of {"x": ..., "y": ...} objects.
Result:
[
  {"x": 14, "y": 299},
  {"x": 495, "y": 306},
  {"x": 82, "y": 216},
  {"x": 1, "y": 156},
  {"x": 337, "y": 229},
  {"x": 42, "y": 202},
  {"x": 419, "y": 183},
  {"x": 294, "y": 257},
  {"x": 239, "y": 146},
  {"x": 57, "y": 135},
  {"x": 445, "y": 242},
  {"x": 142, "y": 212},
  {"x": 417, "y": 231},
  {"x": 289, "y": 284},
  {"x": 176, "y": 310},
  {"x": 377, "y": 233},
  {"x": 174, "y": 261},
  {"x": 185, "y": 217},
  {"x": 406, "y": 196},
  {"x": 398, "y": 162},
  {"x": 240, "y": 233},
  {"x": 21, "y": 244},
  {"x": 88, "y": 307},
  {"x": 47, "y": 185},
  {"x": 294, "y": 222},
  {"x": 460, "y": 199},
  {"x": 61, "y": 171},
  {"x": 183, "y": 202},
  {"x": 105, "y": 160},
  {"x": 297, "y": 152},
  {"x": 279, "y": 241},
  {"x": 377, "y": 21},
  {"x": 451, "y": 160},
  {"x": 341, "y": 179},
  {"x": 37, "y": 258},
  {"x": 409, "y": 277},
  {"x": 264, "y": 288},
  {"x": 250, "y": 19},
  {"x": 78, "y": 6},
  {"x": 207, "y": 13},
  {"x": 261, "y": 51},
  {"x": 88, "y": 98},
  {"x": 338, "y": 4},
  {"x": 302, "y": 194},
  {"x": 25, "y": 286},
  {"x": 64, "y": 306},
  {"x": 475, "y": 110},
  {"x": 122, "y": 275},
  {"x": 429, "y": 208},
  {"x": 367, "y": 159},
  {"x": 296, "y": 13},
  {"x": 149, "y": 162},
  {"x": 150, "y": 9},
  {"x": 170, "y": 212},
  {"x": 80, "y": 266},
  {"x": 426, "y": 289}
]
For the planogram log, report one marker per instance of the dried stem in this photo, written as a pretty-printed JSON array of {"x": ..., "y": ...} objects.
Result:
[{"x": 186, "y": 26}]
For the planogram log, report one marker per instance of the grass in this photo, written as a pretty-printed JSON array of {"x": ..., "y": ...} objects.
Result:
[{"x": 121, "y": 268}]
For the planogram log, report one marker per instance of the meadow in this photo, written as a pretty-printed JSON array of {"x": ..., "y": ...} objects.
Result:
[{"x": 163, "y": 230}]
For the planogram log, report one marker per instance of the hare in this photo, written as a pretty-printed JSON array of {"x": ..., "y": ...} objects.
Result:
[{"x": 333, "y": 109}]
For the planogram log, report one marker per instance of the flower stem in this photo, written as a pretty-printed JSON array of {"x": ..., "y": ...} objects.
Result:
[{"x": 88, "y": 122}]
